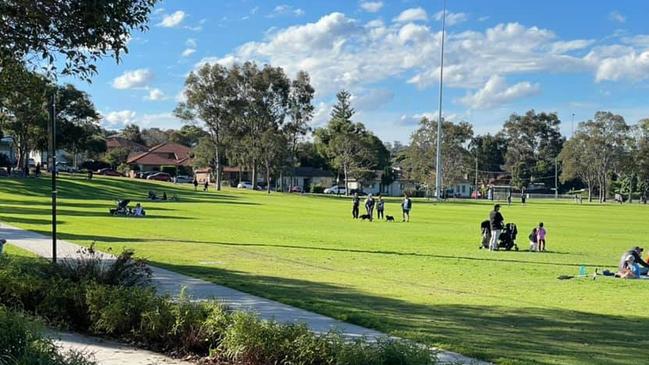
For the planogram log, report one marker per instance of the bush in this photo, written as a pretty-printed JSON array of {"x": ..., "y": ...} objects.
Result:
[
  {"x": 93, "y": 165},
  {"x": 117, "y": 311},
  {"x": 317, "y": 189},
  {"x": 21, "y": 343}
]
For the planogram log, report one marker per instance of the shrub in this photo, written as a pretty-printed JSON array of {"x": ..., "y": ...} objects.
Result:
[
  {"x": 125, "y": 270},
  {"x": 117, "y": 311},
  {"x": 317, "y": 189},
  {"x": 21, "y": 343}
]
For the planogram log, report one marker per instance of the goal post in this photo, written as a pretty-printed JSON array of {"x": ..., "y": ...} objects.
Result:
[{"x": 501, "y": 192}]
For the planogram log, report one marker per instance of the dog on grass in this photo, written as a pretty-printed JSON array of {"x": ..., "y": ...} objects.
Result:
[
  {"x": 389, "y": 218},
  {"x": 365, "y": 216}
]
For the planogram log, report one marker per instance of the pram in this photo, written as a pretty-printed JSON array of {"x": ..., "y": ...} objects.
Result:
[
  {"x": 507, "y": 238},
  {"x": 122, "y": 208}
]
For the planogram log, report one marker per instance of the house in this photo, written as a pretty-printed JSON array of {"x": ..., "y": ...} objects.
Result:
[
  {"x": 169, "y": 155},
  {"x": 8, "y": 148},
  {"x": 462, "y": 189},
  {"x": 121, "y": 142},
  {"x": 374, "y": 186},
  {"x": 307, "y": 177}
]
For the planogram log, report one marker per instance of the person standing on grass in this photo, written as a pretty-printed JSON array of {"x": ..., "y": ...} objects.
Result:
[
  {"x": 406, "y": 205},
  {"x": 533, "y": 240},
  {"x": 356, "y": 202},
  {"x": 540, "y": 237},
  {"x": 369, "y": 206},
  {"x": 380, "y": 206},
  {"x": 206, "y": 185},
  {"x": 195, "y": 182},
  {"x": 496, "y": 221},
  {"x": 2, "y": 245}
]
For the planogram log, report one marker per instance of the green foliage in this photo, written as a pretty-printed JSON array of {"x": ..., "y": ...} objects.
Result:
[
  {"x": 133, "y": 133},
  {"x": 85, "y": 32},
  {"x": 116, "y": 156}
]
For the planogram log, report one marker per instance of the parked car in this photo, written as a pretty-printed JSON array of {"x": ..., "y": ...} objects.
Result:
[
  {"x": 108, "y": 172},
  {"x": 159, "y": 176},
  {"x": 64, "y": 167},
  {"x": 335, "y": 190},
  {"x": 184, "y": 179},
  {"x": 295, "y": 189},
  {"x": 144, "y": 174},
  {"x": 476, "y": 195},
  {"x": 244, "y": 185}
]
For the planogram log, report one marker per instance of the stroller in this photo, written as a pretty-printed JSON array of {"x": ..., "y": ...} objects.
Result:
[
  {"x": 508, "y": 237},
  {"x": 485, "y": 230},
  {"x": 122, "y": 208}
]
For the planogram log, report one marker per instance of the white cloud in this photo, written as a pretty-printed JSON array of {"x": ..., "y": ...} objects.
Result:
[
  {"x": 118, "y": 119},
  {"x": 615, "y": 63},
  {"x": 188, "y": 52},
  {"x": 181, "y": 97},
  {"x": 496, "y": 92},
  {"x": 616, "y": 16},
  {"x": 451, "y": 18},
  {"x": 412, "y": 15},
  {"x": 172, "y": 20},
  {"x": 371, "y": 6},
  {"x": 283, "y": 9},
  {"x": 155, "y": 94},
  {"x": 133, "y": 79},
  {"x": 190, "y": 43},
  {"x": 321, "y": 115}
]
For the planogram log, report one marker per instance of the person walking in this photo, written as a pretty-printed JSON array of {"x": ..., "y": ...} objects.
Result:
[
  {"x": 406, "y": 206},
  {"x": 369, "y": 206},
  {"x": 380, "y": 206},
  {"x": 496, "y": 222},
  {"x": 523, "y": 196},
  {"x": 356, "y": 202},
  {"x": 195, "y": 182},
  {"x": 206, "y": 184}
]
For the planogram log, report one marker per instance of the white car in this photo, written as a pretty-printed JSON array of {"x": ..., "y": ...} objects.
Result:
[
  {"x": 335, "y": 190},
  {"x": 244, "y": 185},
  {"x": 182, "y": 179}
]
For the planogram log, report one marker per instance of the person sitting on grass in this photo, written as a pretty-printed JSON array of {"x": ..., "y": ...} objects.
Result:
[
  {"x": 632, "y": 265},
  {"x": 139, "y": 210}
]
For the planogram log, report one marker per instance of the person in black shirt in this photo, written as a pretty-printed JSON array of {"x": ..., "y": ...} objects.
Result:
[
  {"x": 496, "y": 221},
  {"x": 356, "y": 201},
  {"x": 380, "y": 206}
]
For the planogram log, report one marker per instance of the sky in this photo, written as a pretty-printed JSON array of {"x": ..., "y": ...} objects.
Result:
[{"x": 501, "y": 57}]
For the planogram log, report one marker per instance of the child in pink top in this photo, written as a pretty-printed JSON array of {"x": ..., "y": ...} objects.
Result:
[{"x": 540, "y": 237}]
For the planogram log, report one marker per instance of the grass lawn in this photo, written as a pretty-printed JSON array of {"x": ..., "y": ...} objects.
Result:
[{"x": 425, "y": 280}]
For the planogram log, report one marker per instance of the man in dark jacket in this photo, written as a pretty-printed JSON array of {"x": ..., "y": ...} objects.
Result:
[
  {"x": 356, "y": 201},
  {"x": 496, "y": 221},
  {"x": 631, "y": 258}
]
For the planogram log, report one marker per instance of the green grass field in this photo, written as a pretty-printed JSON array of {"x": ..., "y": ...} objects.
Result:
[{"x": 425, "y": 280}]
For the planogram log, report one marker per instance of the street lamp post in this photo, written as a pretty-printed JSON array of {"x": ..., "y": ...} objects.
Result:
[
  {"x": 438, "y": 162},
  {"x": 52, "y": 153}
]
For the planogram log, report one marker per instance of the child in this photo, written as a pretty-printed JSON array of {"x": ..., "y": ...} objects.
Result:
[
  {"x": 540, "y": 237},
  {"x": 534, "y": 240}
]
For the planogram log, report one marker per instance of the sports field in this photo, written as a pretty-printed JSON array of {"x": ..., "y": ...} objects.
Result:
[{"x": 425, "y": 280}]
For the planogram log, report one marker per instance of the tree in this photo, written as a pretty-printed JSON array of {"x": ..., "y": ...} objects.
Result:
[
  {"x": 274, "y": 150},
  {"x": 420, "y": 156},
  {"x": 189, "y": 135},
  {"x": 641, "y": 156},
  {"x": 204, "y": 153},
  {"x": 23, "y": 111},
  {"x": 345, "y": 144},
  {"x": 116, "y": 157},
  {"x": 132, "y": 133},
  {"x": 300, "y": 113},
  {"x": 154, "y": 136},
  {"x": 578, "y": 161},
  {"x": 77, "y": 121},
  {"x": 81, "y": 31},
  {"x": 211, "y": 99},
  {"x": 533, "y": 143}
]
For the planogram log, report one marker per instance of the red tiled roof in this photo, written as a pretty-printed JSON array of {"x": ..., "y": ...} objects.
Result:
[{"x": 163, "y": 154}]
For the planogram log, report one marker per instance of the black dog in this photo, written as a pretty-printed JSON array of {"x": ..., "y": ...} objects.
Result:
[
  {"x": 389, "y": 218},
  {"x": 365, "y": 216}
]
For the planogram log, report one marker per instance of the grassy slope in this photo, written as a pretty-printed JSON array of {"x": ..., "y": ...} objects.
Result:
[{"x": 424, "y": 280}]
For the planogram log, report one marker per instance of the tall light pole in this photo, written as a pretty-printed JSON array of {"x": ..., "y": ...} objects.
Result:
[
  {"x": 53, "y": 171},
  {"x": 438, "y": 162},
  {"x": 572, "y": 125}
]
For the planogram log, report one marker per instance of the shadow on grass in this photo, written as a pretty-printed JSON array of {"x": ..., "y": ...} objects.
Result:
[
  {"x": 505, "y": 335},
  {"x": 62, "y": 212}
]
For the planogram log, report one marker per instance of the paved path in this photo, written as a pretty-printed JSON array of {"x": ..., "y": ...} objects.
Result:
[{"x": 170, "y": 282}]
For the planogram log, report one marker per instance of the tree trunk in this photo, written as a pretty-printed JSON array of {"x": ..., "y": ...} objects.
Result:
[
  {"x": 217, "y": 164},
  {"x": 346, "y": 181},
  {"x": 254, "y": 175},
  {"x": 590, "y": 193},
  {"x": 268, "y": 177}
]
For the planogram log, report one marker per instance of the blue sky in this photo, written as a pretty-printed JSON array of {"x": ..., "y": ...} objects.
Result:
[{"x": 502, "y": 57}]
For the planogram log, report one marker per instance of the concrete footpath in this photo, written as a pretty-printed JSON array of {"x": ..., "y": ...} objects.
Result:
[{"x": 171, "y": 283}]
